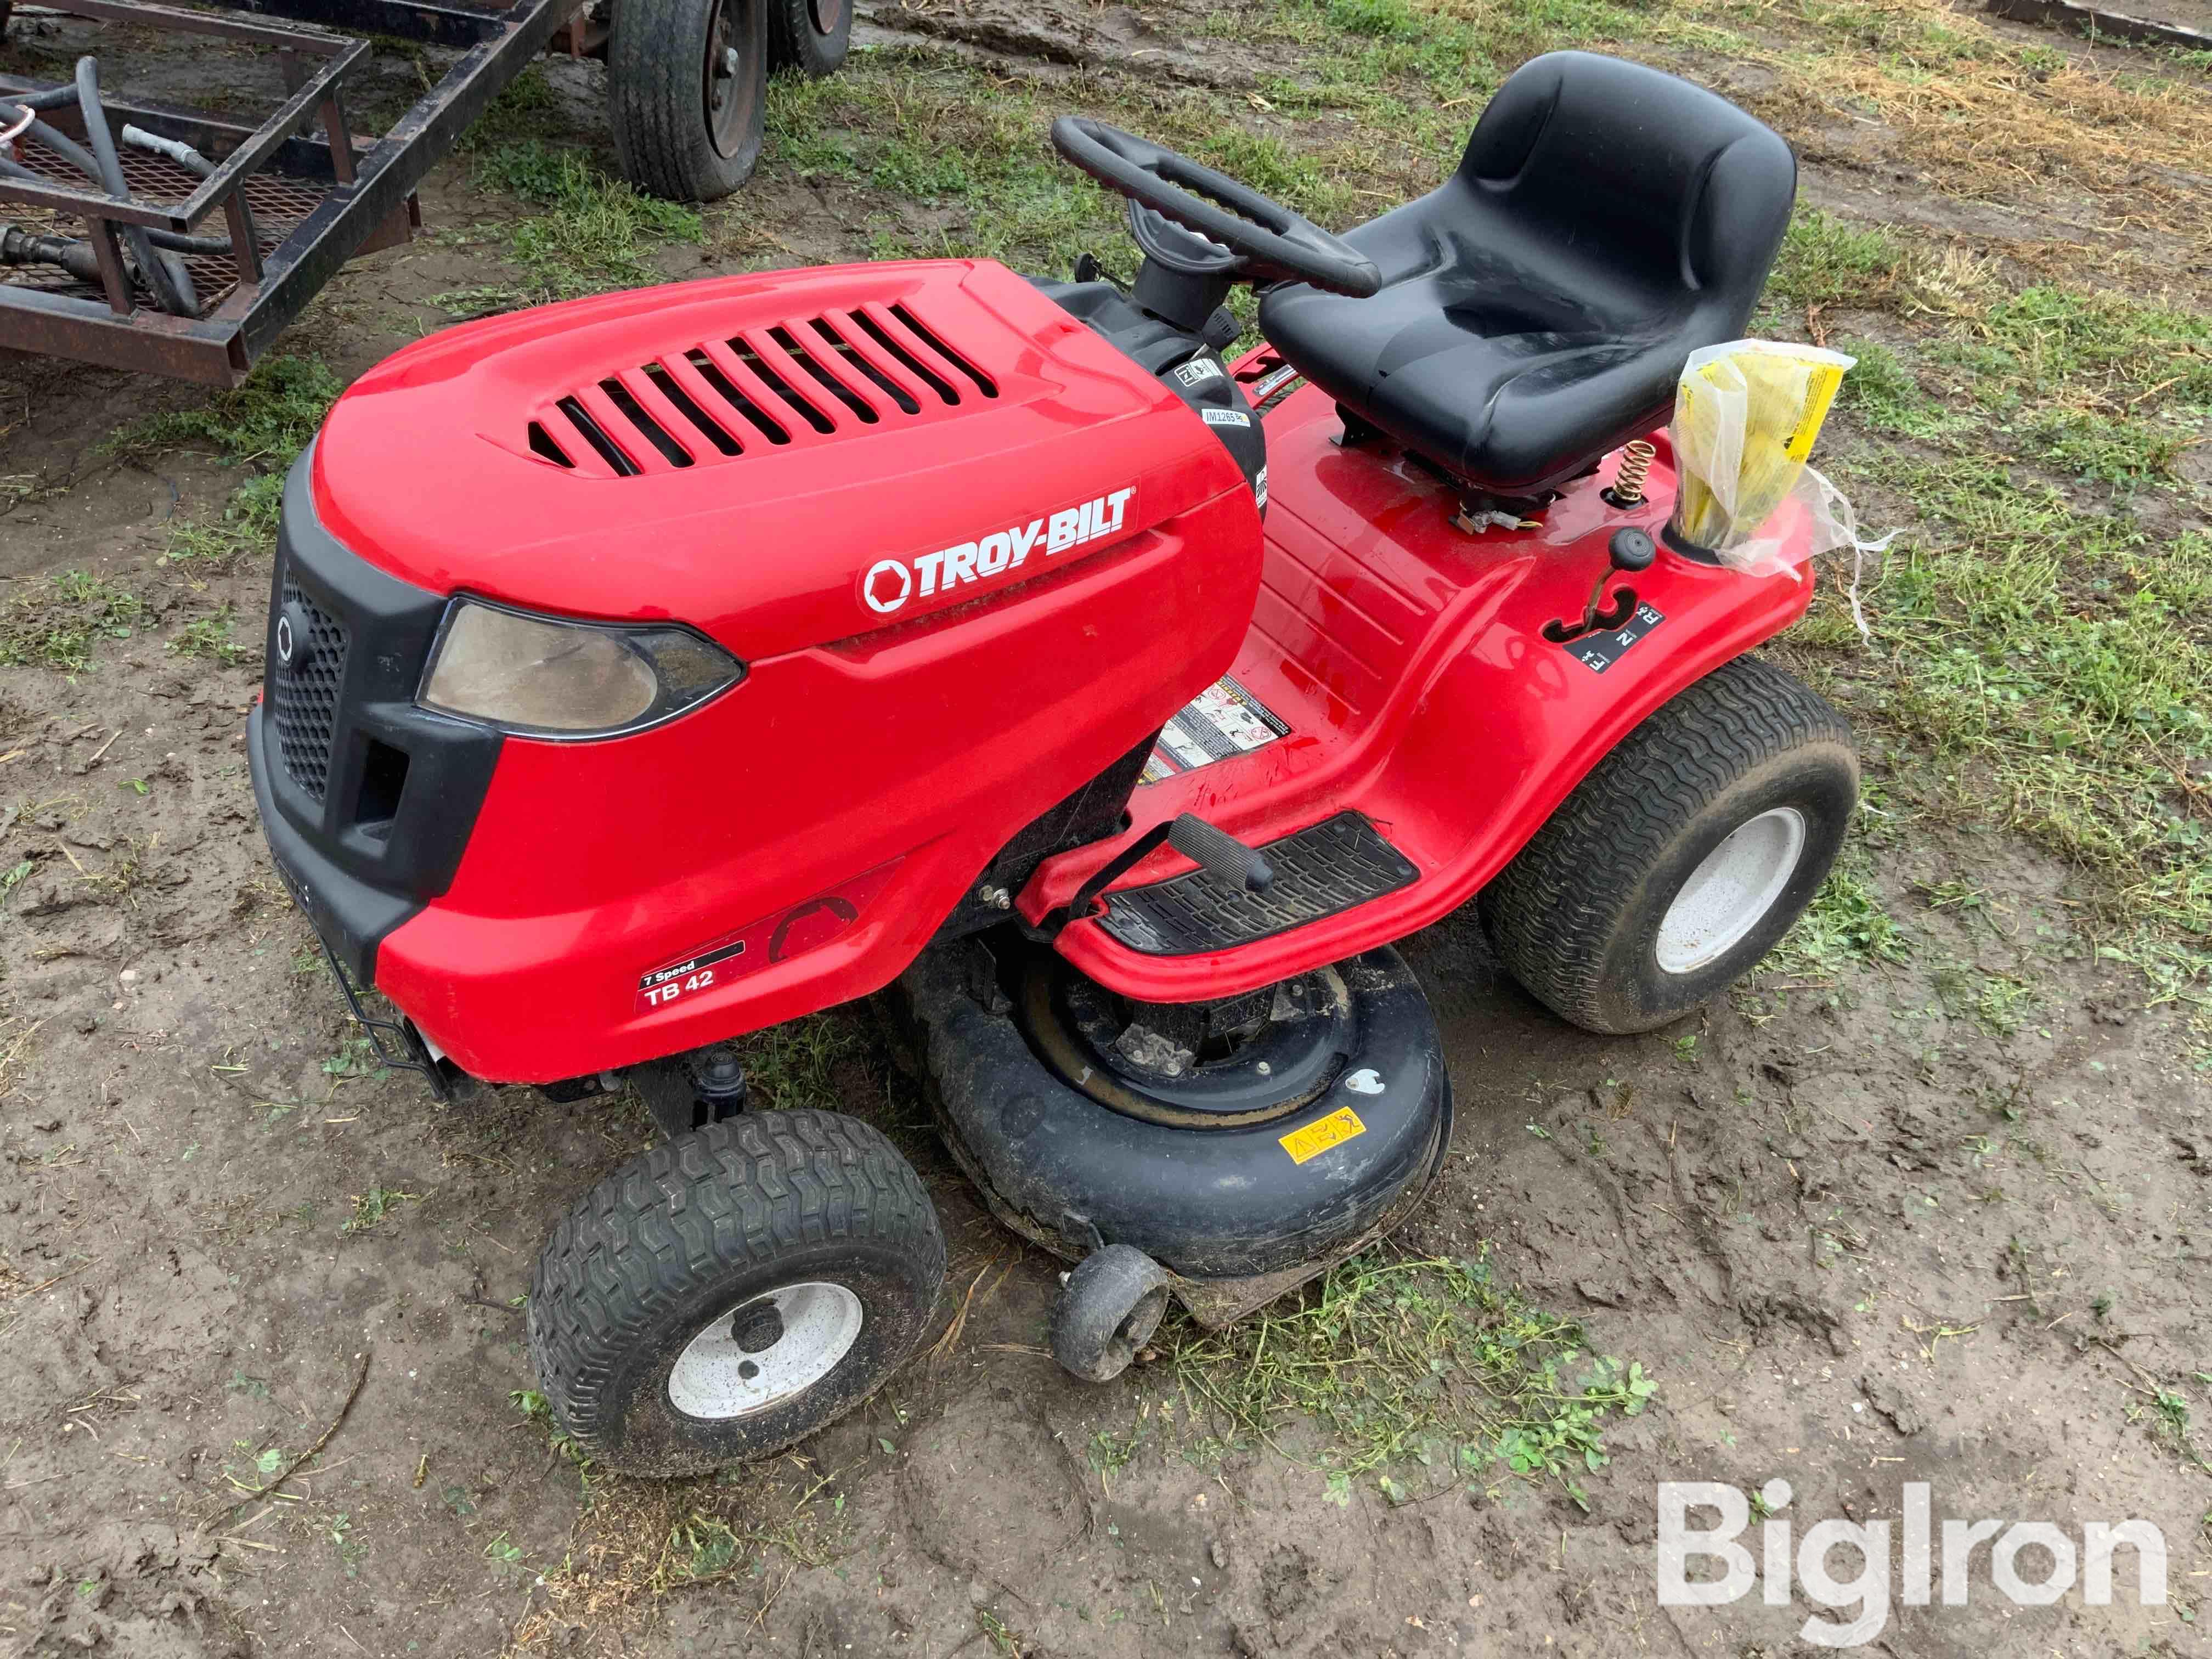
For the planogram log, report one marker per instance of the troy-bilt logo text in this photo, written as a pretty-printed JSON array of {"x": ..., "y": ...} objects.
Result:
[
  {"x": 1930, "y": 1558},
  {"x": 890, "y": 583}
]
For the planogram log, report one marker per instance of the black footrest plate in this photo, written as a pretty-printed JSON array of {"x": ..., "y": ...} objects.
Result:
[{"x": 1332, "y": 867}]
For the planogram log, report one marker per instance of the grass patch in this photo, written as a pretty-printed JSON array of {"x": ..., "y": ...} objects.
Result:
[
  {"x": 264, "y": 424},
  {"x": 2057, "y": 658},
  {"x": 1423, "y": 1372},
  {"x": 1831, "y": 262},
  {"x": 803, "y": 1062},
  {"x": 266, "y": 420},
  {"x": 209, "y": 638},
  {"x": 57, "y": 624},
  {"x": 1885, "y": 394},
  {"x": 370, "y": 1208},
  {"x": 592, "y": 233},
  {"x": 1845, "y": 927}
]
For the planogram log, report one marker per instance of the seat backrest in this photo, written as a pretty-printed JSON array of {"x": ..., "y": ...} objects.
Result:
[{"x": 1608, "y": 165}]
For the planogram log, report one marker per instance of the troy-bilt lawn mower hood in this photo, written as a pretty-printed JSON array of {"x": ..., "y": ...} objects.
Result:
[{"x": 781, "y": 459}]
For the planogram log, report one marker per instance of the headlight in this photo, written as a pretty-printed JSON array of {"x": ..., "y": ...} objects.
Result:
[{"x": 546, "y": 677}]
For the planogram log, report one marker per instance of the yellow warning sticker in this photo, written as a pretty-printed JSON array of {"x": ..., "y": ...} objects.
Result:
[{"x": 1323, "y": 1133}]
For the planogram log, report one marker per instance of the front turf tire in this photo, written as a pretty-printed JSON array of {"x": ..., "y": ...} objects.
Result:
[
  {"x": 660, "y": 1256},
  {"x": 1582, "y": 915}
]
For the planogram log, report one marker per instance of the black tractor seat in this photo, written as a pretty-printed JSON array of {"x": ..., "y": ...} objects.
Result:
[{"x": 1607, "y": 220}]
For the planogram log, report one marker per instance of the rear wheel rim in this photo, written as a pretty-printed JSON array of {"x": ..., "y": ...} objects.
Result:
[
  {"x": 725, "y": 86},
  {"x": 769, "y": 1349},
  {"x": 827, "y": 14},
  {"x": 1732, "y": 890}
]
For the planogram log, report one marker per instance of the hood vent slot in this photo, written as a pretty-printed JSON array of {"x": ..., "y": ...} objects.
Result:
[
  {"x": 758, "y": 362},
  {"x": 609, "y": 451},
  {"x": 671, "y": 388},
  {"x": 791, "y": 382},
  {"x": 853, "y": 359},
  {"x": 542, "y": 444},
  {"x": 723, "y": 387},
  {"x": 983, "y": 382},
  {"x": 938, "y": 384},
  {"x": 796, "y": 349},
  {"x": 618, "y": 395}
]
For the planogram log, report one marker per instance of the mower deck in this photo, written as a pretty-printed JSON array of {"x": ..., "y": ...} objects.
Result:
[{"x": 1399, "y": 663}]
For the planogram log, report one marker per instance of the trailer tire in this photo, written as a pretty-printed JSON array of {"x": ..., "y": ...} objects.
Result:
[
  {"x": 1745, "y": 782},
  {"x": 811, "y": 36},
  {"x": 686, "y": 81},
  {"x": 732, "y": 1290}
]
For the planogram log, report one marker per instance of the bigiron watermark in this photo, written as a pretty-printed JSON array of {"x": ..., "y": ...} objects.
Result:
[{"x": 1936, "y": 1561}]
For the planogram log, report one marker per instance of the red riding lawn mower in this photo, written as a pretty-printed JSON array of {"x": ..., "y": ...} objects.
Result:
[{"x": 648, "y": 670}]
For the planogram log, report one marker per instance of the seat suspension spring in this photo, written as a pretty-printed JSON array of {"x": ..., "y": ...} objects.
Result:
[{"x": 1636, "y": 458}]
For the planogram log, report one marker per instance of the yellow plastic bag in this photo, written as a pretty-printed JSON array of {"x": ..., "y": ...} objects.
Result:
[{"x": 1746, "y": 415}]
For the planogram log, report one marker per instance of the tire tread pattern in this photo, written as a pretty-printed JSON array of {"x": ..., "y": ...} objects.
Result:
[
  {"x": 729, "y": 1195},
  {"x": 653, "y": 102},
  {"x": 1548, "y": 919}
]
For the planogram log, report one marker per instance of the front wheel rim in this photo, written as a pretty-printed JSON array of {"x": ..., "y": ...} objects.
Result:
[
  {"x": 768, "y": 1351},
  {"x": 1732, "y": 890}
]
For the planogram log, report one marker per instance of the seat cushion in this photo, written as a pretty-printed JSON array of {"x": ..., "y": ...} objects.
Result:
[{"x": 1607, "y": 220}]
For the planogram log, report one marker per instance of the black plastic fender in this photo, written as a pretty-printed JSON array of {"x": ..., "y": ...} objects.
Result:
[{"x": 1207, "y": 1203}]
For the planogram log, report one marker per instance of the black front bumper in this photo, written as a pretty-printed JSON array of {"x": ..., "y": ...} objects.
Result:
[{"x": 367, "y": 800}]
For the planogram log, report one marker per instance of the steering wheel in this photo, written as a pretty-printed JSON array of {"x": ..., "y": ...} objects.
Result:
[{"x": 1195, "y": 220}]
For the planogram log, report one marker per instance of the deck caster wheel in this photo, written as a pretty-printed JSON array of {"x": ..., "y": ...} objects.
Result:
[
  {"x": 687, "y": 83},
  {"x": 1685, "y": 855},
  {"x": 811, "y": 36},
  {"x": 1108, "y": 1309},
  {"x": 731, "y": 1291}
]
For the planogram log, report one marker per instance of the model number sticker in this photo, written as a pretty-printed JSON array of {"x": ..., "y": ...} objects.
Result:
[
  {"x": 1323, "y": 1133},
  {"x": 1599, "y": 652},
  {"x": 664, "y": 985},
  {"x": 718, "y": 963}
]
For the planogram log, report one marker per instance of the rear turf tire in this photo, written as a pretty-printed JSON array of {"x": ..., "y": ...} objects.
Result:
[
  {"x": 648, "y": 1272},
  {"x": 687, "y": 127},
  {"x": 1586, "y": 916}
]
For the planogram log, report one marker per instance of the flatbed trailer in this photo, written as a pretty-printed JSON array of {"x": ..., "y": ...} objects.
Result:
[{"x": 220, "y": 233}]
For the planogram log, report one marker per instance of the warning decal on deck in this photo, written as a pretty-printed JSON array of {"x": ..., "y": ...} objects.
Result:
[
  {"x": 1323, "y": 1133},
  {"x": 1221, "y": 722}
]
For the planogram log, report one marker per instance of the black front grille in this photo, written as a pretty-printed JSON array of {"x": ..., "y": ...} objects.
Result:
[{"x": 304, "y": 697}]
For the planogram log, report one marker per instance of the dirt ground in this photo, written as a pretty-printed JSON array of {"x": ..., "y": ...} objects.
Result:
[{"x": 1862, "y": 1229}]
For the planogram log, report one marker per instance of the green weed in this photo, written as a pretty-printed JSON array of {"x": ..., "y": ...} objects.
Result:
[
  {"x": 795, "y": 1064},
  {"x": 356, "y": 1059},
  {"x": 209, "y": 637},
  {"x": 56, "y": 624},
  {"x": 1843, "y": 928},
  {"x": 370, "y": 1207},
  {"x": 1829, "y": 261},
  {"x": 267, "y": 420},
  {"x": 1885, "y": 395},
  {"x": 1422, "y": 1370},
  {"x": 593, "y": 232}
]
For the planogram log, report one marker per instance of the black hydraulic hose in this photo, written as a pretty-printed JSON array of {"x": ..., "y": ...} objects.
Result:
[
  {"x": 177, "y": 241},
  {"x": 165, "y": 275},
  {"x": 69, "y": 150},
  {"x": 50, "y": 98}
]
